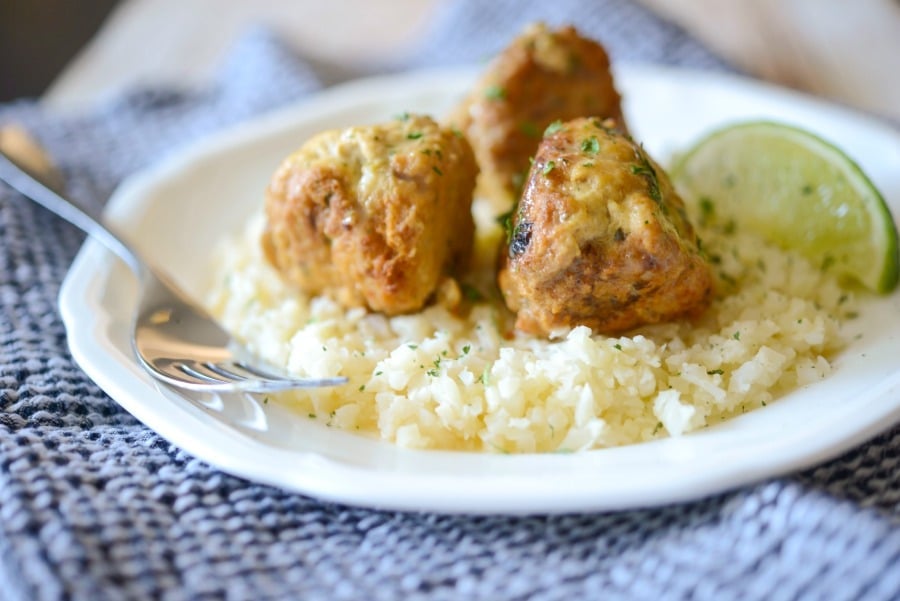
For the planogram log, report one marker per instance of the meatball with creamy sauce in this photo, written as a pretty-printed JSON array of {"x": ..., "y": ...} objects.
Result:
[
  {"x": 377, "y": 216},
  {"x": 544, "y": 75},
  {"x": 600, "y": 238}
]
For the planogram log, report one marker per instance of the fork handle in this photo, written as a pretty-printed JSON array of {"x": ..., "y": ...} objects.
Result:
[{"x": 83, "y": 217}]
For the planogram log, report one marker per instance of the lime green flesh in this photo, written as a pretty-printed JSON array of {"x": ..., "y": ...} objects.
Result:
[{"x": 799, "y": 192}]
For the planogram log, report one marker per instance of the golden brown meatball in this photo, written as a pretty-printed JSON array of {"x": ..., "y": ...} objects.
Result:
[
  {"x": 600, "y": 238},
  {"x": 374, "y": 216},
  {"x": 543, "y": 76}
]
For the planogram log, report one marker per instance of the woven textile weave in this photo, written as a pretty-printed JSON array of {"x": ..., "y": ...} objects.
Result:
[{"x": 95, "y": 506}]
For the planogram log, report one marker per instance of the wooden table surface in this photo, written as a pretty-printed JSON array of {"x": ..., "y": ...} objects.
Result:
[{"x": 846, "y": 50}]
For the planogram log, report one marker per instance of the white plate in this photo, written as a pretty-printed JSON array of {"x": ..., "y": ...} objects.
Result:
[{"x": 177, "y": 211}]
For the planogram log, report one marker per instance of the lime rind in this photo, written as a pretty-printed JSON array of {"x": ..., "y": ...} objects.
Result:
[{"x": 882, "y": 275}]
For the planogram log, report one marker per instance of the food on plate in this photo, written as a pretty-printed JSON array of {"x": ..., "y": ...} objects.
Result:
[
  {"x": 798, "y": 191},
  {"x": 376, "y": 216},
  {"x": 542, "y": 76},
  {"x": 600, "y": 238},
  {"x": 650, "y": 334},
  {"x": 439, "y": 379}
]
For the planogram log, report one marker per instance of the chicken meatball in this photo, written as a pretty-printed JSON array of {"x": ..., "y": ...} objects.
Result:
[
  {"x": 376, "y": 217},
  {"x": 600, "y": 238},
  {"x": 543, "y": 76}
]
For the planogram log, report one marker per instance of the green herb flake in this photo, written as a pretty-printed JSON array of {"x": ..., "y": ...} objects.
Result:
[
  {"x": 472, "y": 293},
  {"x": 362, "y": 387},
  {"x": 495, "y": 92},
  {"x": 457, "y": 132},
  {"x": 312, "y": 416},
  {"x": 505, "y": 221},
  {"x": 591, "y": 145},
  {"x": 617, "y": 346},
  {"x": 466, "y": 349},
  {"x": 807, "y": 190},
  {"x": 714, "y": 372},
  {"x": 657, "y": 428},
  {"x": 437, "y": 170},
  {"x": 736, "y": 335},
  {"x": 548, "y": 167},
  {"x": 265, "y": 400},
  {"x": 378, "y": 373},
  {"x": 645, "y": 169},
  {"x": 707, "y": 207},
  {"x": 530, "y": 129},
  {"x": 553, "y": 128},
  {"x": 413, "y": 346},
  {"x": 485, "y": 376},
  {"x": 414, "y": 135}
]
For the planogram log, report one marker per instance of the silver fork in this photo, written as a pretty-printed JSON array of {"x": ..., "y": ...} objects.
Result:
[{"x": 175, "y": 339}]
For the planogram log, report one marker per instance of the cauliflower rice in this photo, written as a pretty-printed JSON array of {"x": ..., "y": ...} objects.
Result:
[{"x": 435, "y": 380}]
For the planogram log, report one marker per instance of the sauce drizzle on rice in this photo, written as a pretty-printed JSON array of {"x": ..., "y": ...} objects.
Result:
[{"x": 435, "y": 380}]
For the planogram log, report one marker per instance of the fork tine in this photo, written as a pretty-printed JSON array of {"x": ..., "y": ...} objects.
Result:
[
  {"x": 222, "y": 369},
  {"x": 227, "y": 376},
  {"x": 199, "y": 376},
  {"x": 256, "y": 371}
]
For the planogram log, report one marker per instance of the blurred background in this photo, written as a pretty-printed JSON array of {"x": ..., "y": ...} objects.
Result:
[{"x": 73, "y": 53}]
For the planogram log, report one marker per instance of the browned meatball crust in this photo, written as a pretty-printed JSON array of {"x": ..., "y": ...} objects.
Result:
[
  {"x": 600, "y": 238},
  {"x": 543, "y": 76},
  {"x": 374, "y": 216}
]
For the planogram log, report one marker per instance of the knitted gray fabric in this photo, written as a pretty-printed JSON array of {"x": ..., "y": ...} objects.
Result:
[{"x": 94, "y": 506}]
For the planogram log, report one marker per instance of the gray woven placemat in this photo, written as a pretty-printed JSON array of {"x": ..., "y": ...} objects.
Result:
[{"x": 93, "y": 505}]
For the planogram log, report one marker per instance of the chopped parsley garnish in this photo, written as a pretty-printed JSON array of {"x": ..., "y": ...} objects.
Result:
[
  {"x": 736, "y": 335},
  {"x": 495, "y": 92},
  {"x": 505, "y": 221},
  {"x": 414, "y": 135},
  {"x": 457, "y": 132},
  {"x": 713, "y": 372},
  {"x": 466, "y": 349},
  {"x": 436, "y": 170},
  {"x": 472, "y": 293},
  {"x": 591, "y": 145},
  {"x": 645, "y": 169},
  {"x": 617, "y": 346},
  {"x": 529, "y": 128},
  {"x": 436, "y": 370},
  {"x": 707, "y": 207},
  {"x": 553, "y": 128},
  {"x": 548, "y": 167}
]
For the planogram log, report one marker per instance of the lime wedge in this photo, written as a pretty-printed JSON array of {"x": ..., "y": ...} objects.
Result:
[{"x": 798, "y": 191}]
